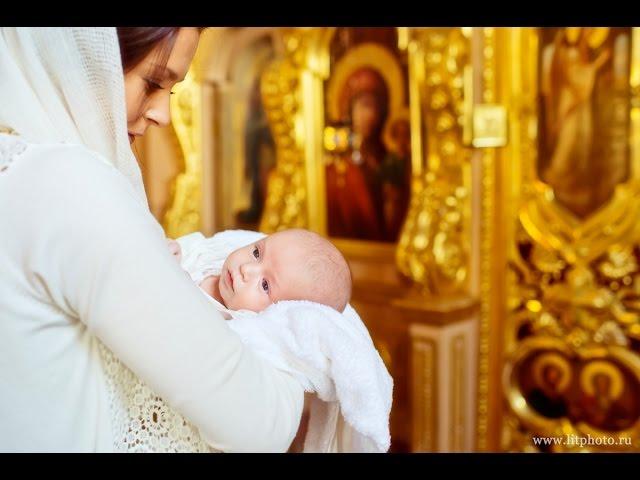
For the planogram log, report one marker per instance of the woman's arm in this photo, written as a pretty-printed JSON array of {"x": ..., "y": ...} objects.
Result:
[{"x": 104, "y": 259}]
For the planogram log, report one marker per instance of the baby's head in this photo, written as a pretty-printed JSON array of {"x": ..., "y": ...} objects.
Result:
[{"x": 288, "y": 265}]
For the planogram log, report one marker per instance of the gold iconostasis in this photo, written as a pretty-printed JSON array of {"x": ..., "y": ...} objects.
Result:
[{"x": 483, "y": 184}]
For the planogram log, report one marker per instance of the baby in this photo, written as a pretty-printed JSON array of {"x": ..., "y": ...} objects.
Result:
[{"x": 292, "y": 264}]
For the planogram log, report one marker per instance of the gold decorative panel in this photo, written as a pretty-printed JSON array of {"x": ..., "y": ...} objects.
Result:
[
  {"x": 572, "y": 336},
  {"x": 184, "y": 215},
  {"x": 292, "y": 98},
  {"x": 433, "y": 249}
]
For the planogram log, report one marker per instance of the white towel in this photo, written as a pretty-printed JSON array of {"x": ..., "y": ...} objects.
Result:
[{"x": 331, "y": 354}]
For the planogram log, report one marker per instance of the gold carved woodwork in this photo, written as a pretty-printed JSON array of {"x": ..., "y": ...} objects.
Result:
[
  {"x": 433, "y": 249},
  {"x": 571, "y": 359},
  {"x": 184, "y": 215},
  {"x": 292, "y": 96}
]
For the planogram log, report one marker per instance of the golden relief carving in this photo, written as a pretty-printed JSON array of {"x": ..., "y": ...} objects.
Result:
[
  {"x": 282, "y": 91},
  {"x": 586, "y": 294},
  {"x": 572, "y": 364},
  {"x": 184, "y": 215},
  {"x": 433, "y": 246}
]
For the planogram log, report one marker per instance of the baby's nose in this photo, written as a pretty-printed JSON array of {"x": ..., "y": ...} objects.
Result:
[{"x": 249, "y": 270}]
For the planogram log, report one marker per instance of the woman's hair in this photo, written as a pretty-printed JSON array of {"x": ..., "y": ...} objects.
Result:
[{"x": 137, "y": 42}]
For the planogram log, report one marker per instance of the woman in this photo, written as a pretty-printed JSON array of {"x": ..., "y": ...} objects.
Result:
[{"x": 85, "y": 266}]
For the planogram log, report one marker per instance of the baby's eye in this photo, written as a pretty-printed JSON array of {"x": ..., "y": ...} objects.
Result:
[
  {"x": 265, "y": 286},
  {"x": 256, "y": 252}
]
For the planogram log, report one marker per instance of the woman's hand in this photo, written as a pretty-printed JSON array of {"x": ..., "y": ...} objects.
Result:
[{"x": 175, "y": 249}]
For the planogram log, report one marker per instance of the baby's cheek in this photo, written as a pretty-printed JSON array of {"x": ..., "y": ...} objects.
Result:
[
  {"x": 262, "y": 305},
  {"x": 255, "y": 302}
]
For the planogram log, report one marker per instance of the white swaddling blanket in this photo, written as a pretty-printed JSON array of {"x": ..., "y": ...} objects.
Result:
[{"x": 331, "y": 354}]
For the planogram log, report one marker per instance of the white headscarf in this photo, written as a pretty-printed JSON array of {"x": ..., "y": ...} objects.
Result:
[{"x": 67, "y": 85}]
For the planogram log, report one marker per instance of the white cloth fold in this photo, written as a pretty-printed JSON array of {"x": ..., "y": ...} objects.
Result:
[{"x": 331, "y": 354}]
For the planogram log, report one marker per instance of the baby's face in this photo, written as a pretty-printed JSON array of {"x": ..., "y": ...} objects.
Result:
[{"x": 265, "y": 272}]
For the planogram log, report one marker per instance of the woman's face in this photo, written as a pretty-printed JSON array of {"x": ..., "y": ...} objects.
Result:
[
  {"x": 365, "y": 114},
  {"x": 148, "y": 86}
]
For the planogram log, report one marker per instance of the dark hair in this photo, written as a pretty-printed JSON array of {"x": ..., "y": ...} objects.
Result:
[{"x": 137, "y": 42}]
